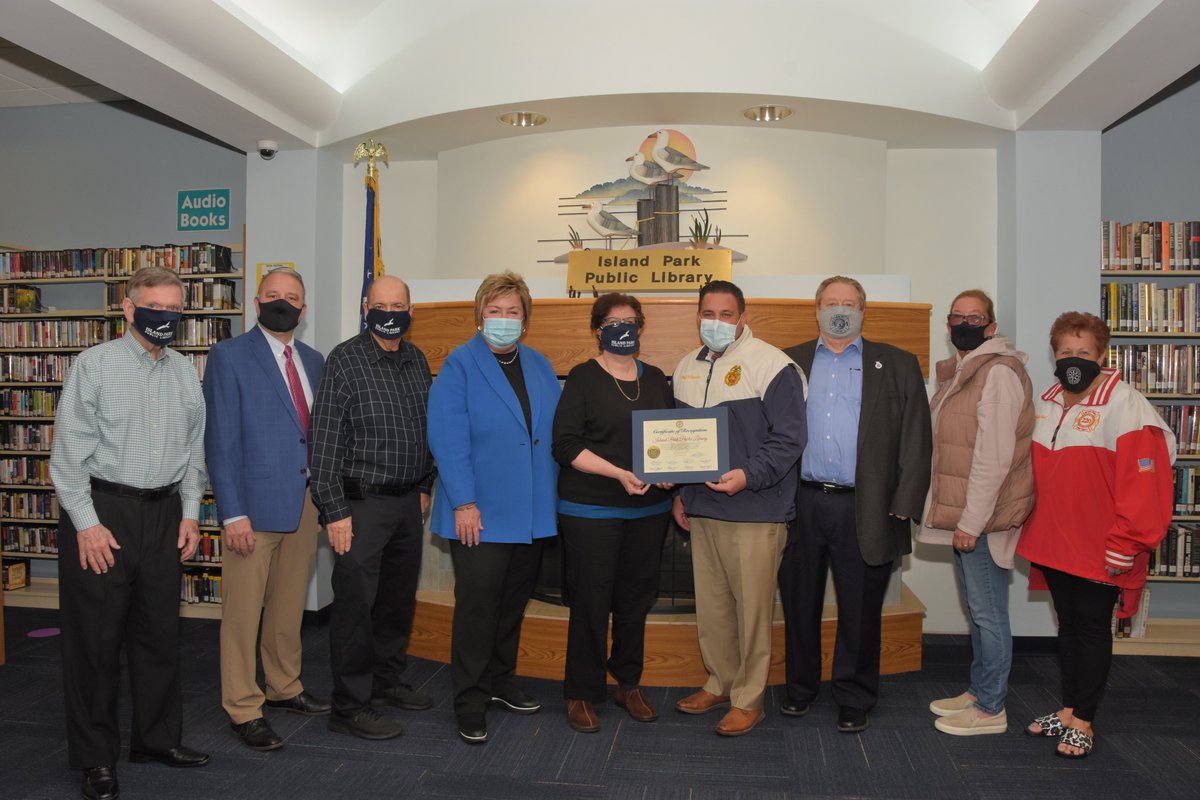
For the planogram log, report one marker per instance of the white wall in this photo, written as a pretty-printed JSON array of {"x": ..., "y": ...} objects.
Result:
[{"x": 941, "y": 232}]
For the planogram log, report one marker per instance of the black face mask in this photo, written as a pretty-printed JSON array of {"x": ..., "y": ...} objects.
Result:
[
  {"x": 965, "y": 336},
  {"x": 388, "y": 324},
  {"x": 156, "y": 325},
  {"x": 620, "y": 339},
  {"x": 1076, "y": 374},
  {"x": 278, "y": 315}
]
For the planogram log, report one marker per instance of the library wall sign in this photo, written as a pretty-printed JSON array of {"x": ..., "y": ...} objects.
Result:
[
  {"x": 647, "y": 270},
  {"x": 203, "y": 210}
]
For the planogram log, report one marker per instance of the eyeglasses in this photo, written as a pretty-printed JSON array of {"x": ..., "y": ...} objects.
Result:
[
  {"x": 974, "y": 320},
  {"x": 610, "y": 321}
]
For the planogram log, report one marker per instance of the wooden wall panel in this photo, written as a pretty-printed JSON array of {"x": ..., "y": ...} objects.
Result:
[{"x": 558, "y": 328}]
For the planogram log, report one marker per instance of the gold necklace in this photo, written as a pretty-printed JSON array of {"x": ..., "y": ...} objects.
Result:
[{"x": 637, "y": 380}]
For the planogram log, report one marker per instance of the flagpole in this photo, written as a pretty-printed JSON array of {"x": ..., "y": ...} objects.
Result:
[{"x": 372, "y": 244}]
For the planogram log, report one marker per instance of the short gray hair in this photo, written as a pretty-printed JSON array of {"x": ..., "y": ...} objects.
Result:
[
  {"x": 149, "y": 277},
  {"x": 290, "y": 272}
]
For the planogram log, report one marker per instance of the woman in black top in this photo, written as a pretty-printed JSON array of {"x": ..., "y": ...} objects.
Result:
[{"x": 612, "y": 524}]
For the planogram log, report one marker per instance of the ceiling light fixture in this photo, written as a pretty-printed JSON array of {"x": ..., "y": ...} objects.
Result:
[
  {"x": 767, "y": 113},
  {"x": 523, "y": 119}
]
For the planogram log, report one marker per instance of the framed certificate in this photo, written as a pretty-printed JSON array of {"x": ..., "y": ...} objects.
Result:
[{"x": 681, "y": 445}]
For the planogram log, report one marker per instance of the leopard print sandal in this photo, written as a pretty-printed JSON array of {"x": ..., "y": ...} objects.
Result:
[{"x": 1051, "y": 725}]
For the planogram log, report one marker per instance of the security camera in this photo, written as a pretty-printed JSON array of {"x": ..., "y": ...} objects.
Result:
[{"x": 267, "y": 149}]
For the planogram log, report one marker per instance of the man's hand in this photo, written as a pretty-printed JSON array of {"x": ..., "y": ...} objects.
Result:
[
  {"x": 468, "y": 524},
  {"x": 426, "y": 504},
  {"x": 963, "y": 541},
  {"x": 189, "y": 537},
  {"x": 239, "y": 536},
  {"x": 340, "y": 534},
  {"x": 681, "y": 517},
  {"x": 95, "y": 548},
  {"x": 731, "y": 482}
]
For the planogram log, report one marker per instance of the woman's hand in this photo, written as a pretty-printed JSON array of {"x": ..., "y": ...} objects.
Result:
[
  {"x": 631, "y": 483},
  {"x": 963, "y": 541},
  {"x": 468, "y": 524},
  {"x": 1113, "y": 571},
  {"x": 681, "y": 517}
]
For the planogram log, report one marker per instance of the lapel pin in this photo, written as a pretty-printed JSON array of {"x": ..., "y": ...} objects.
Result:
[{"x": 878, "y": 365}]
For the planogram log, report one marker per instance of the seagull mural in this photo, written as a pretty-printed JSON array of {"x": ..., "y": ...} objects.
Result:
[
  {"x": 671, "y": 160},
  {"x": 606, "y": 224},
  {"x": 647, "y": 172}
]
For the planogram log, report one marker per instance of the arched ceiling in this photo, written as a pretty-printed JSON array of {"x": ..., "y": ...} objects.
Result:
[{"x": 433, "y": 75}]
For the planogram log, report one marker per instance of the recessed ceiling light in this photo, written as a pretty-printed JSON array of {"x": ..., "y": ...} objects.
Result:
[
  {"x": 522, "y": 119},
  {"x": 767, "y": 113}
]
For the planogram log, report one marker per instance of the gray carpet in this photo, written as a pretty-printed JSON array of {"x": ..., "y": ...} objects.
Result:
[{"x": 1147, "y": 740}]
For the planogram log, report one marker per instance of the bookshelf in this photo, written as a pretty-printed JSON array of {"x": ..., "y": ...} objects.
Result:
[
  {"x": 53, "y": 305},
  {"x": 1150, "y": 298}
]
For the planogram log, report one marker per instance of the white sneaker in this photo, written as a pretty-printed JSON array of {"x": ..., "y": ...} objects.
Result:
[
  {"x": 972, "y": 722},
  {"x": 948, "y": 706}
]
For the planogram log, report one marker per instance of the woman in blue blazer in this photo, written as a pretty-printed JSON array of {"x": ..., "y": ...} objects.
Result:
[{"x": 491, "y": 411}]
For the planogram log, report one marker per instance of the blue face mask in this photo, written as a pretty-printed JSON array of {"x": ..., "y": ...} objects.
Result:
[
  {"x": 388, "y": 324},
  {"x": 717, "y": 335},
  {"x": 156, "y": 325},
  {"x": 501, "y": 331},
  {"x": 620, "y": 339}
]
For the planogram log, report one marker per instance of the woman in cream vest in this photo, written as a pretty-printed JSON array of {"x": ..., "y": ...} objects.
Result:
[{"x": 980, "y": 493}]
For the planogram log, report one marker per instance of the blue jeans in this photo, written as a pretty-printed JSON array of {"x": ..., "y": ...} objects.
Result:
[{"x": 985, "y": 586}]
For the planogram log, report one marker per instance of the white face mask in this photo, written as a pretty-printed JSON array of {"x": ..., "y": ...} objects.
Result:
[
  {"x": 717, "y": 335},
  {"x": 501, "y": 331},
  {"x": 840, "y": 322}
]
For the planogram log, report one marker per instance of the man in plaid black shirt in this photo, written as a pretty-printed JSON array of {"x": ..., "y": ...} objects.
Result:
[{"x": 372, "y": 474}]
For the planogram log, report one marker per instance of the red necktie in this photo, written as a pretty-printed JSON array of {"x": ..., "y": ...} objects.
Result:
[{"x": 296, "y": 388}]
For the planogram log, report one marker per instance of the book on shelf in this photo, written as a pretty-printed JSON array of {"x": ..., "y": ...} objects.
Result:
[
  {"x": 1157, "y": 368},
  {"x": 33, "y": 470},
  {"x": 1133, "y": 627},
  {"x": 32, "y": 436},
  {"x": 198, "y": 258},
  {"x": 19, "y": 299},
  {"x": 199, "y": 585},
  {"x": 15, "y": 573},
  {"x": 1184, "y": 421},
  {"x": 31, "y": 402},
  {"x": 1150, "y": 308},
  {"x": 21, "y": 538},
  {"x": 200, "y": 294},
  {"x": 1178, "y": 554},
  {"x": 1157, "y": 246}
]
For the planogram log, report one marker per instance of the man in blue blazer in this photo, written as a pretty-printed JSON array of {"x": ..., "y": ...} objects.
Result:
[{"x": 258, "y": 389}]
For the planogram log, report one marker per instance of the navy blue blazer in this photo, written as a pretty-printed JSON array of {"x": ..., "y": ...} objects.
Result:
[
  {"x": 484, "y": 452},
  {"x": 257, "y": 452}
]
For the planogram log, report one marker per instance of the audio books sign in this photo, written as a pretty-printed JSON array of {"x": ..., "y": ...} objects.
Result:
[
  {"x": 203, "y": 210},
  {"x": 647, "y": 270}
]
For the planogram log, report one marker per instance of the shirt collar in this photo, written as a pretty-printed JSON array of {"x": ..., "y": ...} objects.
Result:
[
  {"x": 378, "y": 353},
  {"x": 275, "y": 345},
  {"x": 856, "y": 344},
  {"x": 138, "y": 351}
]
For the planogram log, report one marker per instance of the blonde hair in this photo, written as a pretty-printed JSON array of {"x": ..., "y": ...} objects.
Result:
[
  {"x": 825, "y": 284},
  {"x": 981, "y": 296},
  {"x": 500, "y": 283}
]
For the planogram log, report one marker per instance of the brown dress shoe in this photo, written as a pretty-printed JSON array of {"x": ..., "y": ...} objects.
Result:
[
  {"x": 701, "y": 702},
  {"x": 636, "y": 704},
  {"x": 582, "y": 716},
  {"x": 739, "y": 721}
]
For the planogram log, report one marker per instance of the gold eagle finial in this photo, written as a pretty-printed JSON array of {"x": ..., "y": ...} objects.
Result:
[{"x": 371, "y": 150}]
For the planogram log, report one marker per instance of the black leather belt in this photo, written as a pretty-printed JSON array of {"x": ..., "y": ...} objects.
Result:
[
  {"x": 356, "y": 490},
  {"x": 121, "y": 490},
  {"x": 827, "y": 487}
]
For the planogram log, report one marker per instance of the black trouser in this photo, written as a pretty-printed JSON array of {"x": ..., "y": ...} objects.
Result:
[
  {"x": 612, "y": 566},
  {"x": 824, "y": 536},
  {"x": 492, "y": 584},
  {"x": 1084, "y": 610},
  {"x": 136, "y": 605},
  {"x": 374, "y": 598}
]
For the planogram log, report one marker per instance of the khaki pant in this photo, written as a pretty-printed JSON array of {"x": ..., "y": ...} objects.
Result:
[
  {"x": 736, "y": 566},
  {"x": 269, "y": 584}
]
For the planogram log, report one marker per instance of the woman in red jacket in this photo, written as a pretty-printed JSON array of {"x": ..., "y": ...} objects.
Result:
[{"x": 1102, "y": 463}]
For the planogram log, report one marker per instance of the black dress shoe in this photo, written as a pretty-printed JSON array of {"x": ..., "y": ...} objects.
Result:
[
  {"x": 851, "y": 720},
  {"x": 303, "y": 703},
  {"x": 257, "y": 735},
  {"x": 516, "y": 701},
  {"x": 401, "y": 695},
  {"x": 100, "y": 783},
  {"x": 366, "y": 723},
  {"x": 793, "y": 708},
  {"x": 175, "y": 757},
  {"x": 472, "y": 727}
]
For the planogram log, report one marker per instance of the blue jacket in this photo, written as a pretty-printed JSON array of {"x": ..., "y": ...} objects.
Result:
[
  {"x": 484, "y": 452},
  {"x": 257, "y": 452}
]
